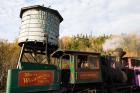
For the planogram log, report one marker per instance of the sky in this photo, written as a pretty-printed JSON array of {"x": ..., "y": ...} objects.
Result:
[{"x": 96, "y": 17}]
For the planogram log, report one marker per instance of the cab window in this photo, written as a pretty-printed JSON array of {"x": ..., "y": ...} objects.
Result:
[
  {"x": 87, "y": 62},
  {"x": 93, "y": 62},
  {"x": 65, "y": 62},
  {"x": 135, "y": 62}
]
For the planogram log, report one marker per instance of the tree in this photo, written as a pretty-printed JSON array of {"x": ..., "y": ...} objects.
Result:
[
  {"x": 9, "y": 55},
  {"x": 83, "y": 42},
  {"x": 131, "y": 44},
  {"x": 97, "y": 42}
]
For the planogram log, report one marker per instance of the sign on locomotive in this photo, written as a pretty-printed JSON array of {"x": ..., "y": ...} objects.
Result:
[
  {"x": 68, "y": 71},
  {"x": 32, "y": 78}
]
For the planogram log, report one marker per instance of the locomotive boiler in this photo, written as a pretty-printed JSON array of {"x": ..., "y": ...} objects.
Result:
[{"x": 113, "y": 67}]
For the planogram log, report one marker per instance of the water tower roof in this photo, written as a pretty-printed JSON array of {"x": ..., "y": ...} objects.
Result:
[{"x": 42, "y": 8}]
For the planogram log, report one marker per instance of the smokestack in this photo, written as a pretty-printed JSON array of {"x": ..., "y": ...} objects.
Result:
[{"x": 119, "y": 53}]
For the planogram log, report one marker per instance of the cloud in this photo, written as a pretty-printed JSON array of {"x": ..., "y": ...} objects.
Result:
[{"x": 80, "y": 16}]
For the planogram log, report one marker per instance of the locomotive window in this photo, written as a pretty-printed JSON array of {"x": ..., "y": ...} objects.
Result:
[
  {"x": 87, "y": 62},
  {"x": 93, "y": 62},
  {"x": 135, "y": 62},
  {"x": 65, "y": 64}
]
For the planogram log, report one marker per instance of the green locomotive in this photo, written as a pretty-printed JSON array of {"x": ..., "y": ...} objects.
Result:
[
  {"x": 68, "y": 68},
  {"x": 69, "y": 72}
]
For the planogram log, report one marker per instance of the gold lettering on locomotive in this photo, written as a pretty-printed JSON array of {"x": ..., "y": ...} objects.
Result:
[
  {"x": 88, "y": 75},
  {"x": 30, "y": 78},
  {"x": 26, "y": 80}
]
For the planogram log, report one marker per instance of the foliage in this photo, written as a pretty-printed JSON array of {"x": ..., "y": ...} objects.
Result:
[
  {"x": 84, "y": 43},
  {"x": 131, "y": 44},
  {"x": 8, "y": 58}
]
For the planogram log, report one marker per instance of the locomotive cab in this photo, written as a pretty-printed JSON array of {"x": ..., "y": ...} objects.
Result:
[{"x": 77, "y": 67}]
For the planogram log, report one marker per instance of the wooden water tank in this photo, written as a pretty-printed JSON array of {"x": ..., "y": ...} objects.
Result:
[{"x": 39, "y": 25}]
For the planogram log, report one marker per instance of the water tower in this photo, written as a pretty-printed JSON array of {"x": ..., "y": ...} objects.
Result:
[{"x": 39, "y": 31}]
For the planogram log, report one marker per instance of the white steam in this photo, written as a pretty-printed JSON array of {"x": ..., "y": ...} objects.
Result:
[{"x": 112, "y": 43}]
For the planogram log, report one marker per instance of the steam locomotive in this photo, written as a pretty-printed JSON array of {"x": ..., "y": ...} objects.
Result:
[
  {"x": 90, "y": 72},
  {"x": 77, "y": 72}
]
